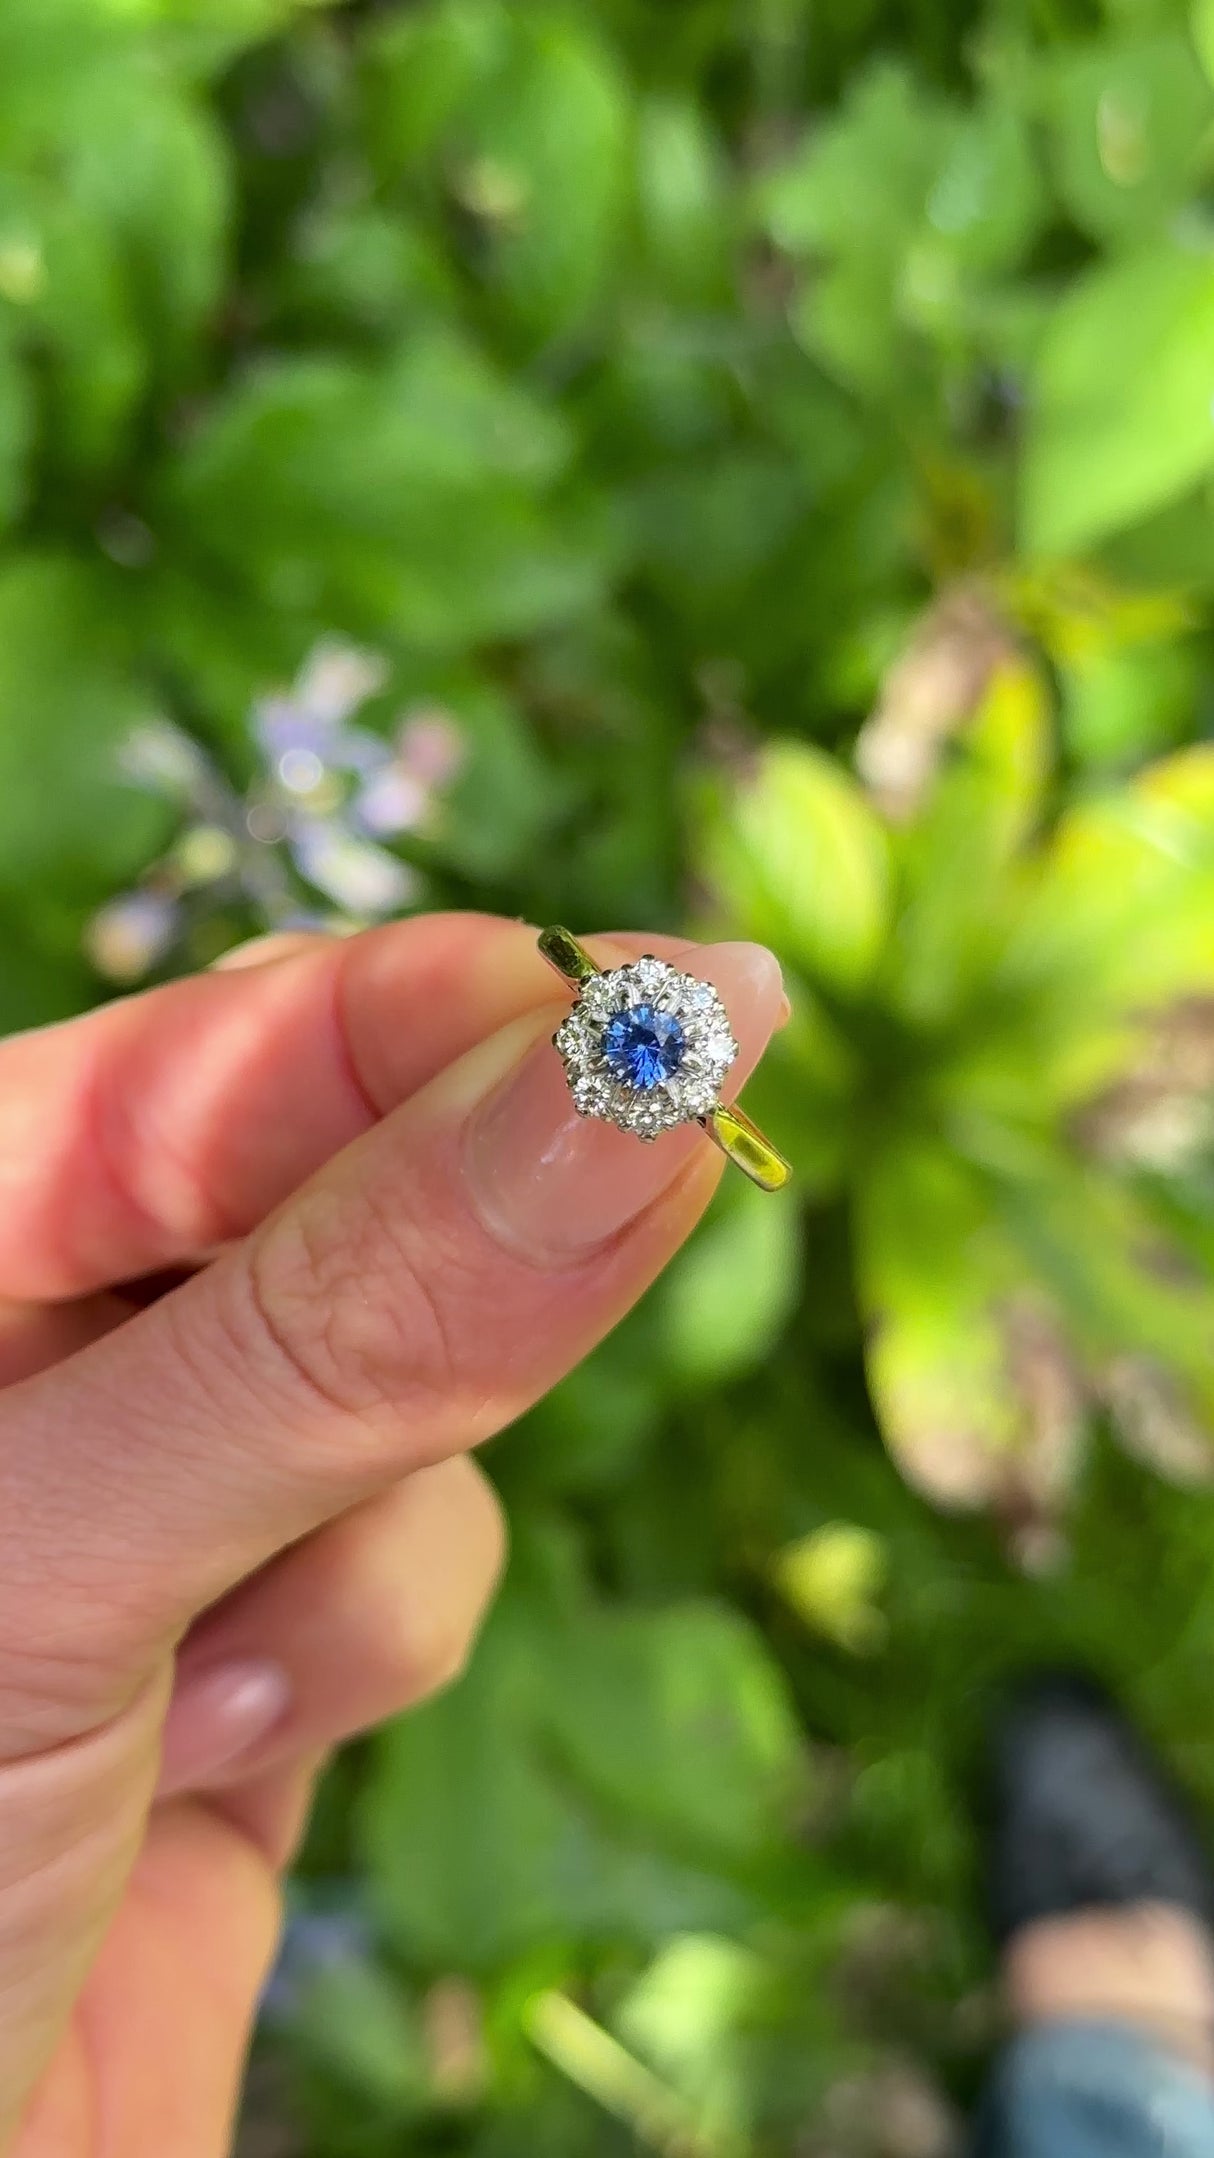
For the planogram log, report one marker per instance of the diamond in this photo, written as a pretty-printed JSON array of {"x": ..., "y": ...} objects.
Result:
[
  {"x": 651, "y": 975},
  {"x": 599, "y": 996}
]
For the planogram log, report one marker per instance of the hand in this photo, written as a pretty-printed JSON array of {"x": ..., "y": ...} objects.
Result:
[{"x": 237, "y": 1520}]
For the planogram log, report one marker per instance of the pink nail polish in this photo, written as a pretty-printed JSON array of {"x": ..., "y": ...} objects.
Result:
[
  {"x": 215, "y": 1716},
  {"x": 553, "y": 1185}
]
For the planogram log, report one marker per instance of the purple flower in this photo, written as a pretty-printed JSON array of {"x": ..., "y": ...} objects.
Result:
[
  {"x": 126, "y": 937},
  {"x": 432, "y": 746},
  {"x": 391, "y": 801},
  {"x": 161, "y": 758},
  {"x": 329, "y": 792},
  {"x": 399, "y": 796},
  {"x": 365, "y": 880},
  {"x": 281, "y": 726},
  {"x": 336, "y": 679}
]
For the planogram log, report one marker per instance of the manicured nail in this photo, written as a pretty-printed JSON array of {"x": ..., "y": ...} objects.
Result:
[
  {"x": 552, "y": 1184},
  {"x": 217, "y": 1715}
]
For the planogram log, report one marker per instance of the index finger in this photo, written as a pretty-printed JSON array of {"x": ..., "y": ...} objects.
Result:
[
  {"x": 414, "y": 1297},
  {"x": 146, "y": 1133}
]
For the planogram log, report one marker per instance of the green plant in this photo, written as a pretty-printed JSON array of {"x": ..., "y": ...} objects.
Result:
[{"x": 770, "y": 447}]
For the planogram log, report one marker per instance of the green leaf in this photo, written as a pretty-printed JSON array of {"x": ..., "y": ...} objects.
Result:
[
  {"x": 153, "y": 167},
  {"x": 63, "y": 293},
  {"x": 507, "y": 798},
  {"x": 529, "y": 117},
  {"x": 475, "y": 1852},
  {"x": 600, "y": 1772},
  {"x": 1128, "y": 119},
  {"x": 547, "y": 167},
  {"x": 854, "y": 200},
  {"x": 678, "y": 1719},
  {"x": 986, "y": 202},
  {"x": 707, "y": 529},
  {"x": 1123, "y": 704},
  {"x": 798, "y": 860},
  {"x": 905, "y": 206},
  {"x": 16, "y": 432},
  {"x": 691, "y": 2015},
  {"x": 204, "y": 37},
  {"x": 945, "y": 1295},
  {"x": 1122, "y": 411},
  {"x": 51, "y": 51},
  {"x": 1109, "y": 1256},
  {"x": 409, "y": 499},
  {"x": 728, "y": 1296},
  {"x": 685, "y": 202},
  {"x": 860, "y": 182},
  {"x": 592, "y": 1433},
  {"x": 832, "y": 1579},
  {"x": 363, "y": 269},
  {"x": 958, "y": 858},
  {"x": 357, "y": 2023},
  {"x": 45, "y": 976},
  {"x": 1118, "y": 920},
  {"x": 68, "y": 824},
  {"x": 419, "y": 74},
  {"x": 996, "y": 1300}
]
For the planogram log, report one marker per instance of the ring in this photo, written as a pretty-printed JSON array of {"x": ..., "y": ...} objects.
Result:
[{"x": 646, "y": 1048}]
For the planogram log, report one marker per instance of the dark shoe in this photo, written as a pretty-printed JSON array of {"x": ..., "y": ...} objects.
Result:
[{"x": 1082, "y": 1814}]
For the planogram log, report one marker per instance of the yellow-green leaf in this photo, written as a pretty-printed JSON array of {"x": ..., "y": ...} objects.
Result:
[
  {"x": 957, "y": 856},
  {"x": 799, "y": 859},
  {"x": 969, "y": 1373},
  {"x": 833, "y": 1578}
]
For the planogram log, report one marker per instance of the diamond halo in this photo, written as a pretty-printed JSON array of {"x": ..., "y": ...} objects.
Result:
[{"x": 646, "y": 1048}]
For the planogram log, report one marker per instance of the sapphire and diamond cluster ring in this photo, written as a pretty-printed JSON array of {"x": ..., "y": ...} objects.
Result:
[{"x": 647, "y": 1048}]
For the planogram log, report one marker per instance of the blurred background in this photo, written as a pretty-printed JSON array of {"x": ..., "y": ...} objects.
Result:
[{"x": 741, "y": 465}]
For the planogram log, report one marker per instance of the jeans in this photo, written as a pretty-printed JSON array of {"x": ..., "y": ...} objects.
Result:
[{"x": 1094, "y": 2090}]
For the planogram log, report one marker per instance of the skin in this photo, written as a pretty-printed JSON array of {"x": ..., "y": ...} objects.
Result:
[
  {"x": 1148, "y": 1965},
  {"x": 278, "y": 1246}
]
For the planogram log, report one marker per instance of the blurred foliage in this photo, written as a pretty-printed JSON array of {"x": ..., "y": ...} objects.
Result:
[{"x": 769, "y": 449}]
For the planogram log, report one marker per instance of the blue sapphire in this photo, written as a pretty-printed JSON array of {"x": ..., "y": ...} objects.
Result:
[{"x": 644, "y": 1046}]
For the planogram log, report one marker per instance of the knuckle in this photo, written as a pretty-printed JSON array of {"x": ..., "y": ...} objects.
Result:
[
  {"x": 155, "y": 1174},
  {"x": 359, "y": 1306},
  {"x": 50, "y": 1699}
]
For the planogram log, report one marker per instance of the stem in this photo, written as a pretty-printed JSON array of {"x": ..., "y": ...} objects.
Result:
[{"x": 601, "y": 2067}]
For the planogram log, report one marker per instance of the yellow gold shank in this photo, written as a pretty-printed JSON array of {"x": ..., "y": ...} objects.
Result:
[
  {"x": 571, "y": 959},
  {"x": 732, "y": 1130}
]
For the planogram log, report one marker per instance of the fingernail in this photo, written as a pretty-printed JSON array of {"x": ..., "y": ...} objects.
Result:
[
  {"x": 217, "y": 1715},
  {"x": 267, "y": 950},
  {"x": 553, "y": 1185}
]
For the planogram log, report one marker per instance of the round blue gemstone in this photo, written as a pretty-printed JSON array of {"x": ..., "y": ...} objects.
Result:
[{"x": 644, "y": 1046}]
